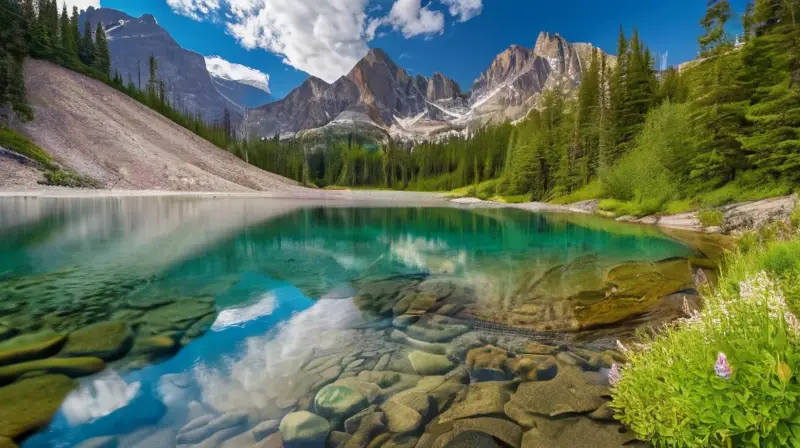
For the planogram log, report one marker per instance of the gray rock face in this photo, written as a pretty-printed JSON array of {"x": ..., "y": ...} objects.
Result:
[
  {"x": 387, "y": 97},
  {"x": 132, "y": 40},
  {"x": 241, "y": 93}
]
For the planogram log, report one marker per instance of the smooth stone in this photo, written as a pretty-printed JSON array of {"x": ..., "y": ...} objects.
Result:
[
  {"x": 433, "y": 331},
  {"x": 401, "y": 441},
  {"x": 571, "y": 359},
  {"x": 224, "y": 436},
  {"x": 575, "y": 432},
  {"x": 351, "y": 424},
  {"x": 107, "y": 340},
  {"x": 417, "y": 400},
  {"x": 473, "y": 439},
  {"x": 216, "y": 425},
  {"x": 265, "y": 429},
  {"x": 29, "y": 405},
  {"x": 481, "y": 399},
  {"x": 370, "y": 427},
  {"x": 404, "y": 321},
  {"x": 567, "y": 393},
  {"x": 338, "y": 438},
  {"x": 198, "y": 329},
  {"x": 197, "y": 423},
  {"x": 355, "y": 364},
  {"x": 154, "y": 346},
  {"x": 344, "y": 398},
  {"x": 32, "y": 346},
  {"x": 401, "y": 419},
  {"x": 273, "y": 441},
  {"x": 304, "y": 427},
  {"x": 507, "y": 432},
  {"x": 429, "y": 364},
  {"x": 383, "y": 362},
  {"x": 536, "y": 348},
  {"x": 148, "y": 304},
  {"x": 430, "y": 347},
  {"x": 379, "y": 440},
  {"x": 72, "y": 367},
  {"x": 535, "y": 367},
  {"x": 450, "y": 309}
]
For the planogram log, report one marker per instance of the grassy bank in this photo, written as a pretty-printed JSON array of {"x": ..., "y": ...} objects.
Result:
[
  {"x": 728, "y": 374},
  {"x": 53, "y": 173}
]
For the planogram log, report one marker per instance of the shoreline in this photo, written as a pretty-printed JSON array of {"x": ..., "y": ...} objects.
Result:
[{"x": 737, "y": 217}]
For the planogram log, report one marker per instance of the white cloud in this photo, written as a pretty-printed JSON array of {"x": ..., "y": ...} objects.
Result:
[
  {"x": 464, "y": 9},
  {"x": 195, "y": 9},
  {"x": 81, "y": 4},
  {"x": 324, "y": 38},
  {"x": 237, "y": 72},
  {"x": 412, "y": 19}
]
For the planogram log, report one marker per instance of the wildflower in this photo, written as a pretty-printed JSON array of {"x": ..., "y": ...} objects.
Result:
[
  {"x": 792, "y": 322},
  {"x": 722, "y": 368},
  {"x": 621, "y": 347},
  {"x": 614, "y": 375}
]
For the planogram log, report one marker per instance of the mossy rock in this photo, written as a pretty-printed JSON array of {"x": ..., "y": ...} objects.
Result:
[
  {"x": 154, "y": 346},
  {"x": 30, "y": 346},
  {"x": 106, "y": 340},
  {"x": 29, "y": 405},
  {"x": 178, "y": 316},
  {"x": 72, "y": 367},
  {"x": 429, "y": 364}
]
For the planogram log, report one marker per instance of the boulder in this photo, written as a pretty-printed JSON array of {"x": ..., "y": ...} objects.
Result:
[
  {"x": 534, "y": 367},
  {"x": 429, "y": 364},
  {"x": 567, "y": 393},
  {"x": 399, "y": 336},
  {"x": 481, "y": 399},
  {"x": 488, "y": 364},
  {"x": 106, "y": 340},
  {"x": 351, "y": 424},
  {"x": 71, "y": 367},
  {"x": 28, "y": 405},
  {"x": 304, "y": 427},
  {"x": 344, "y": 398},
  {"x": 535, "y": 348},
  {"x": 27, "y": 347},
  {"x": 473, "y": 439},
  {"x": 401, "y": 441},
  {"x": 436, "y": 329}
]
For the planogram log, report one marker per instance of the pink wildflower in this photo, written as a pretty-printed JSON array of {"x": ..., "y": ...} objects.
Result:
[
  {"x": 722, "y": 368},
  {"x": 614, "y": 375}
]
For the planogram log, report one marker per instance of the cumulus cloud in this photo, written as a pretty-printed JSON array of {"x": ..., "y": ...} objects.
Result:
[
  {"x": 236, "y": 72},
  {"x": 464, "y": 9},
  {"x": 195, "y": 9},
  {"x": 324, "y": 38},
  {"x": 412, "y": 19}
]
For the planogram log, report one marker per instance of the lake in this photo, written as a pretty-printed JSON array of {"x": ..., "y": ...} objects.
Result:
[{"x": 202, "y": 321}]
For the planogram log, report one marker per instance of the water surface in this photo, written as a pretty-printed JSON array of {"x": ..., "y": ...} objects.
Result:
[{"x": 265, "y": 286}]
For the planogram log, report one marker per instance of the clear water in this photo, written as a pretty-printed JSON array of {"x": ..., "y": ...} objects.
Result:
[{"x": 282, "y": 274}]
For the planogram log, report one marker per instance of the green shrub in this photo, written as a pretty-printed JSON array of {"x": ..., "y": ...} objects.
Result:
[
  {"x": 670, "y": 393},
  {"x": 63, "y": 178},
  {"x": 711, "y": 217},
  {"x": 592, "y": 190},
  {"x": 678, "y": 206}
]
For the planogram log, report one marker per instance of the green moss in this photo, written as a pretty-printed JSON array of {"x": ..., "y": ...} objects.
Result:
[
  {"x": 679, "y": 206},
  {"x": 20, "y": 144},
  {"x": 105, "y": 340},
  {"x": 29, "y": 405},
  {"x": 62, "y": 178},
  {"x": 71, "y": 367},
  {"x": 30, "y": 346}
]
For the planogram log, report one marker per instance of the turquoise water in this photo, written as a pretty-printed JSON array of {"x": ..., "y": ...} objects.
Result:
[{"x": 282, "y": 275}]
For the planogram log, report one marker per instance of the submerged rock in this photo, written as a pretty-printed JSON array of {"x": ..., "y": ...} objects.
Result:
[
  {"x": 567, "y": 393},
  {"x": 495, "y": 428},
  {"x": 106, "y": 340},
  {"x": 481, "y": 399},
  {"x": 28, "y": 405},
  {"x": 575, "y": 431},
  {"x": 429, "y": 364},
  {"x": 344, "y": 398},
  {"x": 72, "y": 367},
  {"x": 304, "y": 427},
  {"x": 32, "y": 346}
]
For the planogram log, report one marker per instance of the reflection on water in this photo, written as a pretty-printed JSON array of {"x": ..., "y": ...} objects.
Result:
[{"x": 241, "y": 310}]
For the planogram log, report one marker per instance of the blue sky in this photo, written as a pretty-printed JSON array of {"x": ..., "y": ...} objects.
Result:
[{"x": 456, "y": 37}]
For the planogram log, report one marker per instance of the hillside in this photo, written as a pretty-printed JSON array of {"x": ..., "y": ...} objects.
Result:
[{"x": 104, "y": 134}]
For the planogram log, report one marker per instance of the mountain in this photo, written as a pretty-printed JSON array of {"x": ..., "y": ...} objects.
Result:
[
  {"x": 241, "y": 92},
  {"x": 379, "y": 96},
  {"x": 132, "y": 41}
]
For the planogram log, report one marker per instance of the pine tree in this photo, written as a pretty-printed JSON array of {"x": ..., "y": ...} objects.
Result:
[
  {"x": 87, "y": 45},
  {"x": 67, "y": 40},
  {"x": 617, "y": 100},
  {"x": 5, "y": 81},
  {"x": 715, "y": 40},
  {"x": 75, "y": 33},
  {"x": 17, "y": 90},
  {"x": 102, "y": 58}
]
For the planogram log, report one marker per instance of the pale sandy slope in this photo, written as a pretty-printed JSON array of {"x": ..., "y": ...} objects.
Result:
[{"x": 101, "y": 133}]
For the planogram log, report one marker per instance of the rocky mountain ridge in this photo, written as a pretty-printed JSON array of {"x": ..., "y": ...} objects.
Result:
[{"x": 378, "y": 94}]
